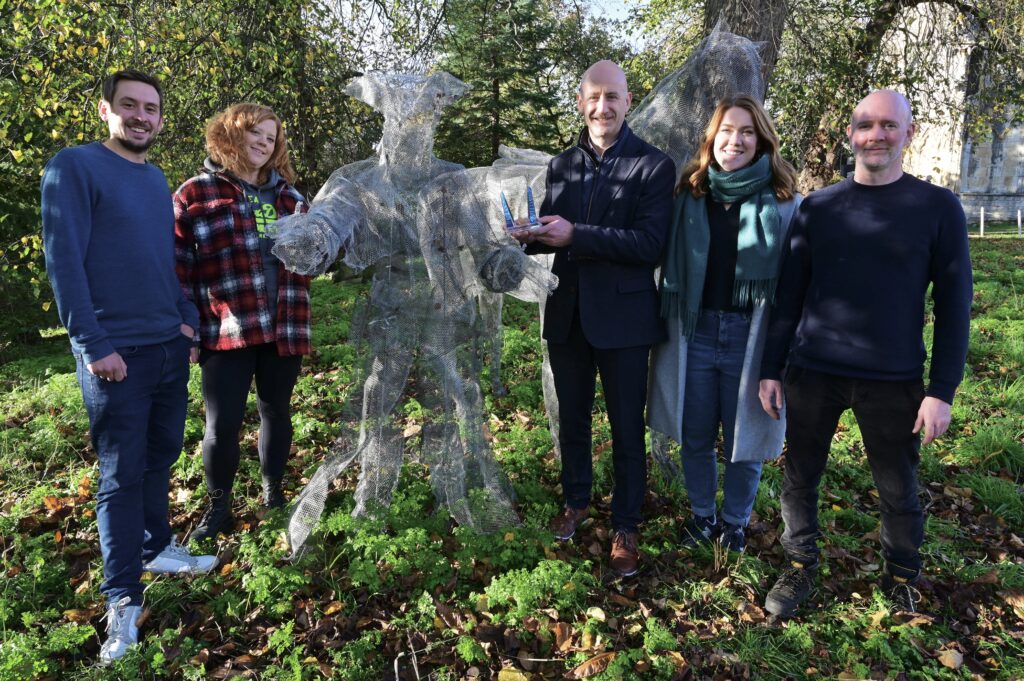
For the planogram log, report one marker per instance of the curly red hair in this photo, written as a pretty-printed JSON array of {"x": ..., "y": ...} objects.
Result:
[{"x": 225, "y": 140}]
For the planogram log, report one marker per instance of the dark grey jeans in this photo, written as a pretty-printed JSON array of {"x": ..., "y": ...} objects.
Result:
[{"x": 885, "y": 412}]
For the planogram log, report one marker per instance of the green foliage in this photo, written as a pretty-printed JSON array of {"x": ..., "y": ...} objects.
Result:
[
  {"x": 523, "y": 60},
  {"x": 270, "y": 580},
  {"x": 373, "y": 590},
  {"x": 469, "y": 650},
  {"x": 362, "y": 659},
  {"x": 657, "y": 638},
  {"x": 53, "y": 56},
  {"x": 553, "y": 583},
  {"x": 1003, "y": 498}
]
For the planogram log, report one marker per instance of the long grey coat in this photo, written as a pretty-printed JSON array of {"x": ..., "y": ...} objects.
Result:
[{"x": 758, "y": 436}]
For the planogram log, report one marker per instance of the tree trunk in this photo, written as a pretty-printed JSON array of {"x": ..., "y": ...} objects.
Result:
[
  {"x": 822, "y": 154},
  {"x": 760, "y": 20}
]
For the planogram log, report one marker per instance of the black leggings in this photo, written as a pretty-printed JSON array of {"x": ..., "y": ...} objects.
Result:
[{"x": 227, "y": 375}]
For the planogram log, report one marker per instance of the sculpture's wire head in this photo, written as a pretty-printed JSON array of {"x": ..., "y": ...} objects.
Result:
[
  {"x": 674, "y": 114},
  {"x": 403, "y": 94},
  {"x": 732, "y": 66},
  {"x": 411, "y": 106}
]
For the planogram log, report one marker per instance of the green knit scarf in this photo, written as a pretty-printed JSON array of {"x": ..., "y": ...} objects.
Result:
[{"x": 758, "y": 247}]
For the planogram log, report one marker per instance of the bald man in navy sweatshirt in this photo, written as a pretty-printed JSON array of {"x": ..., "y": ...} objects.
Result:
[{"x": 846, "y": 333}]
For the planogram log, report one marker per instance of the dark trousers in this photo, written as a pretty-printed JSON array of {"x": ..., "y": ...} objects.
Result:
[
  {"x": 137, "y": 426},
  {"x": 886, "y": 412},
  {"x": 575, "y": 365},
  {"x": 227, "y": 376}
]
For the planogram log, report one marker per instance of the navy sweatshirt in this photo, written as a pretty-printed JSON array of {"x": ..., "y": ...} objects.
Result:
[
  {"x": 851, "y": 296},
  {"x": 108, "y": 237}
]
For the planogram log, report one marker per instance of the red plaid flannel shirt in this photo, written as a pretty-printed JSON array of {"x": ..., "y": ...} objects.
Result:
[{"x": 220, "y": 267}]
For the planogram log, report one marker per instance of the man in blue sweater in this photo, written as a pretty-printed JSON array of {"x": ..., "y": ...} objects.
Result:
[
  {"x": 849, "y": 314},
  {"x": 108, "y": 232}
]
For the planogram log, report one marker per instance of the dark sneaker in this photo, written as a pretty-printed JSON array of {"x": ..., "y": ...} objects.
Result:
[
  {"x": 217, "y": 518},
  {"x": 564, "y": 525},
  {"x": 901, "y": 592},
  {"x": 698, "y": 530},
  {"x": 273, "y": 493},
  {"x": 791, "y": 589},
  {"x": 733, "y": 537},
  {"x": 625, "y": 555}
]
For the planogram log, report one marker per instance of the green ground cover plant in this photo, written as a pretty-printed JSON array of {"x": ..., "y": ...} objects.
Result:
[{"x": 409, "y": 595}]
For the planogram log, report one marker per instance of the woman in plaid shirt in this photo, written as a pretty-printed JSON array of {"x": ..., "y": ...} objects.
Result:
[{"x": 254, "y": 314}]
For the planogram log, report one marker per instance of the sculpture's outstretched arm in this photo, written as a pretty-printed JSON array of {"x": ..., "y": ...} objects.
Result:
[
  {"x": 308, "y": 243},
  {"x": 459, "y": 214}
]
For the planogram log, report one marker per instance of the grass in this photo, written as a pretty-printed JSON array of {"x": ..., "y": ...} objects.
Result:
[{"x": 412, "y": 592}]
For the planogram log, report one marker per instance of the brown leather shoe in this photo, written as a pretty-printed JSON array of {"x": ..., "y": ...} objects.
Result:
[
  {"x": 564, "y": 525},
  {"x": 625, "y": 556}
]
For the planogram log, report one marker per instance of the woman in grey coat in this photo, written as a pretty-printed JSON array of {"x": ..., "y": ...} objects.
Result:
[{"x": 733, "y": 208}]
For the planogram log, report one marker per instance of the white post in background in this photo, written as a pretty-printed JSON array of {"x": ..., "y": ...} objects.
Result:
[
  {"x": 1018, "y": 223},
  {"x": 982, "y": 222}
]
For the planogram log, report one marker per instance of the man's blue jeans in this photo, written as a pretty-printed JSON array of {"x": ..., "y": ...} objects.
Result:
[
  {"x": 886, "y": 412},
  {"x": 714, "y": 361},
  {"x": 137, "y": 428}
]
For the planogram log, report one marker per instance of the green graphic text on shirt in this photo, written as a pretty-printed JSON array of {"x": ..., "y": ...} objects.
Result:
[{"x": 265, "y": 213}]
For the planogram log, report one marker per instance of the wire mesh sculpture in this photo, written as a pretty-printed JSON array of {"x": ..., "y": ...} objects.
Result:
[
  {"x": 434, "y": 234},
  {"x": 421, "y": 231}
]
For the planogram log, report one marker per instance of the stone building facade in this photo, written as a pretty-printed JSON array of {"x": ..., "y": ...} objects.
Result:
[{"x": 985, "y": 172}]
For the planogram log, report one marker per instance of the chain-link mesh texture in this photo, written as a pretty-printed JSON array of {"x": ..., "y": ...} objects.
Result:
[
  {"x": 434, "y": 235},
  {"x": 427, "y": 234}
]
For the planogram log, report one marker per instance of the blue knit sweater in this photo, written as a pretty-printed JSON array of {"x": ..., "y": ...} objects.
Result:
[
  {"x": 108, "y": 235},
  {"x": 851, "y": 297}
]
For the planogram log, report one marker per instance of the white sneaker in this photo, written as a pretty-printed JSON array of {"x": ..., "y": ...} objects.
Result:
[
  {"x": 175, "y": 559},
  {"x": 122, "y": 630}
]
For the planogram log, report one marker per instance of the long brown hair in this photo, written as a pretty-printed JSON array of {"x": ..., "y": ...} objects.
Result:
[
  {"x": 225, "y": 140},
  {"x": 695, "y": 174}
]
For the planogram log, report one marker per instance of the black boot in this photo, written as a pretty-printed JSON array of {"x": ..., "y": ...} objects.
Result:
[
  {"x": 217, "y": 517},
  {"x": 273, "y": 493}
]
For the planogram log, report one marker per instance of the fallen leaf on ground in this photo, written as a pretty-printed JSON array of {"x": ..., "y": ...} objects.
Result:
[
  {"x": 677, "y": 659},
  {"x": 952, "y": 659},
  {"x": 563, "y": 636},
  {"x": 913, "y": 619},
  {"x": 989, "y": 577},
  {"x": 591, "y": 667},
  {"x": 80, "y": 616},
  {"x": 751, "y": 613}
]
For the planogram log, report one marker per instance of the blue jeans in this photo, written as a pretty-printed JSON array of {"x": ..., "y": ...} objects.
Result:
[
  {"x": 886, "y": 412},
  {"x": 137, "y": 428},
  {"x": 714, "y": 361}
]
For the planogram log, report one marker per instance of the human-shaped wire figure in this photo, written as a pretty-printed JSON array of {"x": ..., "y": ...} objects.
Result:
[
  {"x": 434, "y": 234},
  {"x": 383, "y": 213}
]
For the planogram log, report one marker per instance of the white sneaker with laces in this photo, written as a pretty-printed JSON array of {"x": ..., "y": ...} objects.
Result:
[
  {"x": 175, "y": 559},
  {"x": 122, "y": 630}
]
